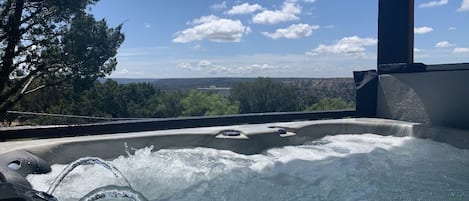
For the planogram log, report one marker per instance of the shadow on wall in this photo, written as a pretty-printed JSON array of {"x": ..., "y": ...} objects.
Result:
[
  {"x": 438, "y": 98},
  {"x": 398, "y": 100}
]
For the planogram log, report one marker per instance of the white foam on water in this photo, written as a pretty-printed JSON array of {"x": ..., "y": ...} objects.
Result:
[{"x": 342, "y": 167}]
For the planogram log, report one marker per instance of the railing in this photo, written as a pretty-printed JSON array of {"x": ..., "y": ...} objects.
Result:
[{"x": 10, "y": 133}]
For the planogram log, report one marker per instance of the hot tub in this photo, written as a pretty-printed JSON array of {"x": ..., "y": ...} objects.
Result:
[{"x": 344, "y": 159}]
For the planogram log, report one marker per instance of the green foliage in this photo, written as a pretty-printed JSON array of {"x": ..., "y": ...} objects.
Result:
[
  {"x": 52, "y": 43},
  {"x": 205, "y": 104},
  {"x": 159, "y": 105},
  {"x": 264, "y": 95},
  {"x": 108, "y": 99},
  {"x": 143, "y": 100},
  {"x": 330, "y": 104}
]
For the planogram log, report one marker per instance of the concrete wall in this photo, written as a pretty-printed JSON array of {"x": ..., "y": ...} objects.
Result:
[{"x": 438, "y": 97}]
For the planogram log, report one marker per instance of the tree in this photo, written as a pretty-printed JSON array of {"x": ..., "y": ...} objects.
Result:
[
  {"x": 205, "y": 104},
  {"x": 265, "y": 95},
  {"x": 330, "y": 104},
  {"x": 159, "y": 105},
  {"x": 47, "y": 43},
  {"x": 109, "y": 99}
]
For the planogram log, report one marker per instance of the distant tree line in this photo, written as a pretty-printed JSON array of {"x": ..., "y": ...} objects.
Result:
[{"x": 143, "y": 100}]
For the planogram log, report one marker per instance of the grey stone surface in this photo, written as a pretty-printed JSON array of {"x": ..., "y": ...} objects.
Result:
[{"x": 437, "y": 98}]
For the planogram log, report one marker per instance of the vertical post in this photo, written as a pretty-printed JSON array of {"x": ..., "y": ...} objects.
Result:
[
  {"x": 395, "y": 46},
  {"x": 395, "y": 32}
]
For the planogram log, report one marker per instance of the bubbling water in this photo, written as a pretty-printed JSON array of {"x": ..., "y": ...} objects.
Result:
[
  {"x": 342, "y": 167},
  {"x": 85, "y": 161},
  {"x": 113, "y": 192}
]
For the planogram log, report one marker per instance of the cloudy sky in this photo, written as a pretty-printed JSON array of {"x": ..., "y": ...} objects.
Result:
[{"x": 275, "y": 38}]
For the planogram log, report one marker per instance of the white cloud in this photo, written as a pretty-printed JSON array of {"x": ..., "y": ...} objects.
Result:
[
  {"x": 422, "y": 30},
  {"x": 451, "y": 28},
  {"x": 273, "y": 17},
  {"x": 218, "y": 6},
  {"x": 156, "y": 65},
  {"x": 288, "y": 13},
  {"x": 354, "y": 45},
  {"x": 293, "y": 32},
  {"x": 126, "y": 73},
  {"x": 274, "y": 65},
  {"x": 433, "y": 4},
  {"x": 461, "y": 50},
  {"x": 147, "y": 25},
  {"x": 291, "y": 7},
  {"x": 123, "y": 71},
  {"x": 203, "y": 19},
  {"x": 417, "y": 50},
  {"x": 207, "y": 66},
  {"x": 464, "y": 6},
  {"x": 443, "y": 44},
  {"x": 214, "y": 29},
  {"x": 244, "y": 8}
]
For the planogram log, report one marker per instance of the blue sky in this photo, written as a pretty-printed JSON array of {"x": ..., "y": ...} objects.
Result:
[{"x": 275, "y": 38}]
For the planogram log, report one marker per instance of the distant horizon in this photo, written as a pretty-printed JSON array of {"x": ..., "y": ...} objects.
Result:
[{"x": 351, "y": 76}]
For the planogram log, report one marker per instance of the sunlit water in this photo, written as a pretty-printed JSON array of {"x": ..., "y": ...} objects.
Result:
[{"x": 343, "y": 167}]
